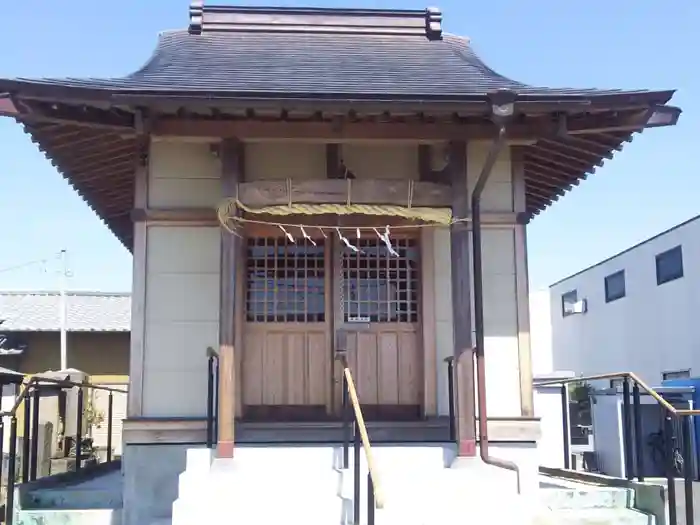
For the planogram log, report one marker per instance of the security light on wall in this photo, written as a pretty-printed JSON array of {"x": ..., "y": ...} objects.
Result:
[
  {"x": 575, "y": 307},
  {"x": 579, "y": 307}
]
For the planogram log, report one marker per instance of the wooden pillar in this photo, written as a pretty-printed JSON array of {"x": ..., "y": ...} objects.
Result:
[
  {"x": 231, "y": 174},
  {"x": 137, "y": 347},
  {"x": 461, "y": 303},
  {"x": 522, "y": 291}
]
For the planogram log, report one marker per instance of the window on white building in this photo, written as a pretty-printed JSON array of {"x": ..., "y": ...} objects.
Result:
[
  {"x": 615, "y": 286},
  {"x": 676, "y": 374},
  {"x": 568, "y": 303},
  {"x": 669, "y": 265}
]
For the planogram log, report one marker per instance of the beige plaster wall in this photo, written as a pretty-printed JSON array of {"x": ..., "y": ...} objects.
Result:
[
  {"x": 182, "y": 318},
  {"x": 183, "y": 174},
  {"x": 182, "y": 290},
  {"x": 500, "y": 299}
]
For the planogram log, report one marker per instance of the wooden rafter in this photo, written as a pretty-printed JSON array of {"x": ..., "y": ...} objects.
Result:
[{"x": 83, "y": 115}]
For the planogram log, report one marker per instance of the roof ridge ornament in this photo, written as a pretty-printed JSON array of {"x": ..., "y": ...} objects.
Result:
[
  {"x": 394, "y": 22},
  {"x": 433, "y": 23},
  {"x": 196, "y": 17}
]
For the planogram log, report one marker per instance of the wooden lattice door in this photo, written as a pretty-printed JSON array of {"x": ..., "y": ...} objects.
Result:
[
  {"x": 377, "y": 319},
  {"x": 286, "y": 368}
]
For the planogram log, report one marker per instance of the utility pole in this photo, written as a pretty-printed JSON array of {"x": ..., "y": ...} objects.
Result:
[{"x": 63, "y": 274}]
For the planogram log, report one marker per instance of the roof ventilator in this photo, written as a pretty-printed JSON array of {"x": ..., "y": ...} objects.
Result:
[{"x": 389, "y": 22}]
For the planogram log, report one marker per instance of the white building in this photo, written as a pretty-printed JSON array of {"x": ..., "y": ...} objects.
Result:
[
  {"x": 541, "y": 333},
  {"x": 636, "y": 311}
]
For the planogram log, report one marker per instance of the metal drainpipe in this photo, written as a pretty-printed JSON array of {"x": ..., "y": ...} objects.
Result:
[{"x": 495, "y": 150}]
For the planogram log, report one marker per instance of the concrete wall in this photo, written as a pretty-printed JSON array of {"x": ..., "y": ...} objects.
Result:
[
  {"x": 182, "y": 290},
  {"x": 651, "y": 330},
  {"x": 541, "y": 333},
  {"x": 95, "y": 353}
]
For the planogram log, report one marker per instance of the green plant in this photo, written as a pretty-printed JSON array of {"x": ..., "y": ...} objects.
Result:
[
  {"x": 580, "y": 392},
  {"x": 92, "y": 416}
]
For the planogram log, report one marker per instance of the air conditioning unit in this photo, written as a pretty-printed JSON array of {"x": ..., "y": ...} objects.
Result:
[{"x": 579, "y": 307}]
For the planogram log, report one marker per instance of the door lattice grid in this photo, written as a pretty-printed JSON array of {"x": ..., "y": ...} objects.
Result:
[
  {"x": 285, "y": 281},
  {"x": 379, "y": 287}
]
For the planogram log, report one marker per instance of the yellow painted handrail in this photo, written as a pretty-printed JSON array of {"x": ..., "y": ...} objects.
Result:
[
  {"x": 623, "y": 375},
  {"x": 378, "y": 497}
]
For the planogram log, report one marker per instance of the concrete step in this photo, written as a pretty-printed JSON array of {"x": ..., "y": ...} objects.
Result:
[
  {"x": 435, "y": 430},
  {"x": 595, "y": 517},
  {"x": 587, "y": 498},
  {"x": 72, "y": 517}
]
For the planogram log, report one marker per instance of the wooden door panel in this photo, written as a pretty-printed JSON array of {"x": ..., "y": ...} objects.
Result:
[
  {"x": 286, "y": 365},
  {"x": 410, "y": 368},
  {"x": 379, "y": 315},
  {"x": 385, "y": 363}
]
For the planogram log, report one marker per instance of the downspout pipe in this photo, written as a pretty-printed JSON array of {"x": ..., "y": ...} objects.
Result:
[{"x": 496, "y": 147}]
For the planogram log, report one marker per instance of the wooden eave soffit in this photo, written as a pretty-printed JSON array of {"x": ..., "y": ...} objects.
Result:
[
  {"x": 76, "y": 115},
  {"x": 530, "y": 128}
]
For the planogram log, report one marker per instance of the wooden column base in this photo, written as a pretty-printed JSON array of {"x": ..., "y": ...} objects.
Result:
[
  {"x": 224, "y": 449},
  {"x": 466, "y": 448}
]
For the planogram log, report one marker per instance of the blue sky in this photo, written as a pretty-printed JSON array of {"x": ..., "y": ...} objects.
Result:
[{"x": 651, "y": 185}]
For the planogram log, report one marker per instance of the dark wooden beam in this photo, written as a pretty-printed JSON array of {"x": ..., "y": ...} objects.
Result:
[
  {"x": 568, "y": 171},
  {"x": 568, "y": 146},
  {"x": 547, "y": 156},
  {"x": 258, "y": 194},
  {"x": 561, "y": 152},
  {"x": 7, "y": 106},
  {"x": 425, "y": 169},
  {"x": 333, "y": 161},
  {"x": 231, "y": 154},
  {"x": 35, "y": 111},
  {"x": 558, "y": 182},
  {"x": 461, "y": 303},
  {"x": 339, "y": 130}
]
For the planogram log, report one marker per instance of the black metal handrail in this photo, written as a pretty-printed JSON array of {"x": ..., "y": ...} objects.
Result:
[
  {"x": 354, "y": 424},
  {"x": 29, "y": 397},
  {"x": 212, "y": 397},
  {"x": 633, "y": 453}
]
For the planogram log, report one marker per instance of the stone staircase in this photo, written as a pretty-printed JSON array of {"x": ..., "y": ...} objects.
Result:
[
  {"x": 421, "y": 485},
  {"x": 575, "y": 503}
]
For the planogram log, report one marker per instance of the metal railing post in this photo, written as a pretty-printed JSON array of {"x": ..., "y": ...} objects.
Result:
[
  {"x": 210, "y": 402},
  {"x": 670, "y": 469},
  {"x": 566, "y": 433},
  {"x": 26, "y": 443},
  {"x": 11, "y": 473},
  {"x": 79, "y": 430},
  {"x": 638, "y": 447},
  {"x": 451, "y": 397},
  {"x": 687, "y": 469},
  {"x": 356, "y": 475},
  {"x": 216, "y": 399},
  {"x": 110, "y": 416},
  {"x": 347, "y": 422},
  {"x": 370, "y": 499},
  {"x": 34, "y": 454},
  {"x": 627, "y": 429},
  {"x": 2, "y": 444}
]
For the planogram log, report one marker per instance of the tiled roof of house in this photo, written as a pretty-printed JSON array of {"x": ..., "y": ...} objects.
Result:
[
  {"x": 313, "y": 66},
  {"x": 85, "y": 312}
]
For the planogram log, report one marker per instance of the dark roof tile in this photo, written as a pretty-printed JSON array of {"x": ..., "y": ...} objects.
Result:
[{"x": 324, "y": 65}]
